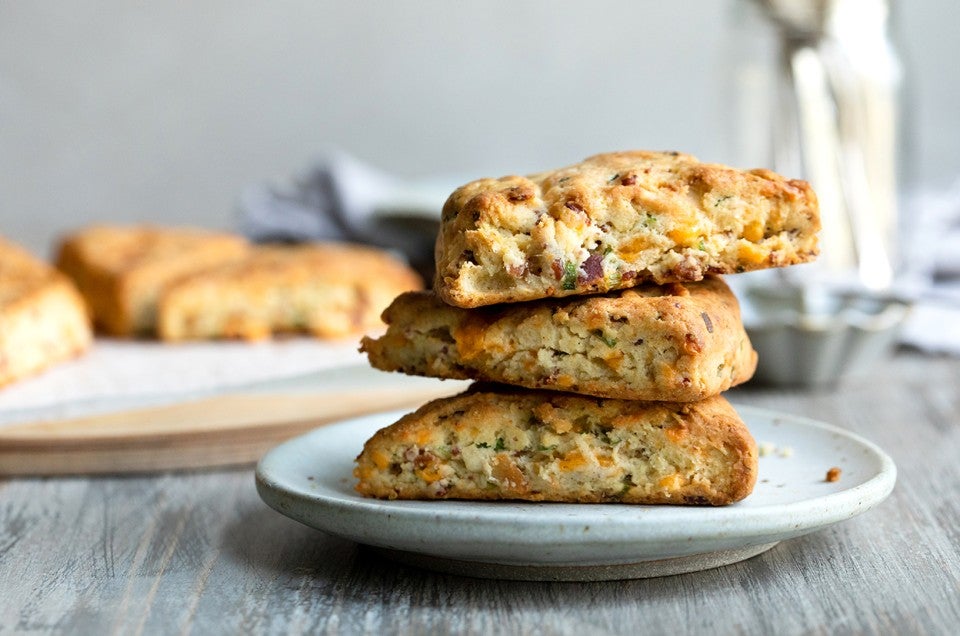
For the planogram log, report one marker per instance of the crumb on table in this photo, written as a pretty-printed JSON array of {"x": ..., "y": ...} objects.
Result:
[{"x": 833, "y": 474}]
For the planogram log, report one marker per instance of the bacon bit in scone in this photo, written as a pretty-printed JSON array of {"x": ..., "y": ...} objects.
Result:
[
  {"x": 707, "y": 322},
  {"x": 424, "y": 459},
  {"x": 573, "y": 205},
  {"x": 628, "y": 180},
  {"x": 592, "y": 269},
  {"x": 557, "y": 266},
  {"x": 692, "y": 343},
  {"x": 518, "y": 271},
  {"x": 517, "y": 194},
  {"x": 833, "y": 474},
  {"x": 688, "y": 270},
  {"x": 628, "y": 275}
]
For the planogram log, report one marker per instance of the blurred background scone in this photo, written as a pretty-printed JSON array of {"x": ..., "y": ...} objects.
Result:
[
  {"x": 190, "y": 284},
  {"x": 325, "y": 289},
  {"x": 122, "y": 270},
  {"x": 43, "y": 319}
]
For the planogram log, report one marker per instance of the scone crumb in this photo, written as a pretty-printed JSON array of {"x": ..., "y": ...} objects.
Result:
[
  {"x": 769, "y": 448},
  {"x": 833, "y": 474}
]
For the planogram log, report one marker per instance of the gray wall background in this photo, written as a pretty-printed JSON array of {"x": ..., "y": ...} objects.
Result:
[{"x": 122, "y": 111}]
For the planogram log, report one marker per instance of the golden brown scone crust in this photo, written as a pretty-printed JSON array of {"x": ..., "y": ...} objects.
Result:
[
  {"x": 121, "y": 270},
  {"x": 675, "y": 343},
  {"x": 325, "y": 289},
  {"x": 617, "y": 220},
  {"x": 501, "y": 443},
  {"x": 43, "y": 320}
]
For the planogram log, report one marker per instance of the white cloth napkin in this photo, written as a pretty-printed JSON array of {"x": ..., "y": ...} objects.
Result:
[{"x": 932, "y": 254}]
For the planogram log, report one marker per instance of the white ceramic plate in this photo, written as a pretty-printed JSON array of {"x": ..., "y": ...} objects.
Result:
[{"x": 310, "y": 479}]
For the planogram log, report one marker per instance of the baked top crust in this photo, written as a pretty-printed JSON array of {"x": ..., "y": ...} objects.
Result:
[
  {"x": 20, "y": 272},
  {"x": 500, "y": 443},
  {"x": 327, "y": 289},
  {"x": 43, "y": 320},
  {"x": 119, "y": 250},
  {"x": 617, "y": 220},
  {"x": 122, "y": 270},
  {"x": 675, "y": 342}
]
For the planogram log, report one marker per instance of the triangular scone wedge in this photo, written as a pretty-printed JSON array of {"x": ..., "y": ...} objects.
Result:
[
  {"x": 122, "y": 270},
  {"x": 329, "y": 290},
  {"x": 675, "y": 343},
  {"x": 503, "y": 443},
  {"x": 43, "y": 319},
  {"x": 617, "y": 220}
]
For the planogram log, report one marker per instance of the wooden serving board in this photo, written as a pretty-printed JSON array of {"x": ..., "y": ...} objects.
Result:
[{"x": 224, "y": 430}]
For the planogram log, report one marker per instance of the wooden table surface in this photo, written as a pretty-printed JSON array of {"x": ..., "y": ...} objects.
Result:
[{"x": 200, "y": 553}]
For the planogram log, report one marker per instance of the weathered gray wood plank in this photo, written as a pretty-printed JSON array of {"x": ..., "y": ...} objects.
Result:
[{"x": 199, "y": 553}]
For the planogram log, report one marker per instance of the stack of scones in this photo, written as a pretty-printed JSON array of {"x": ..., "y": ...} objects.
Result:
[{"x": 587, "y": 303}]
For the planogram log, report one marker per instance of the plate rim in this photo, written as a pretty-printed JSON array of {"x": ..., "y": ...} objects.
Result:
[{"x": 477, "y": 518}]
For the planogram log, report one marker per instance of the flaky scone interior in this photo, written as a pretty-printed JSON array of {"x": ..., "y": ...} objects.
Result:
[
  {"x": 329, "y": 290},
  {"x": 617, "y": 220},
  {"x": 675, "y": 343},
  {"x": 496, "y": 442}
]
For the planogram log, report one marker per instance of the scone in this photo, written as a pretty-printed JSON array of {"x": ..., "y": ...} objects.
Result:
[
  {"x": 43, "y": 319},
  {"x": 121, "y": 271},
  {"x": 676, "y": 342},
  {"x": 544, "y": 446},
  {"x": 328, "y": 290},
  {"x": 614, "y": 221}
]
